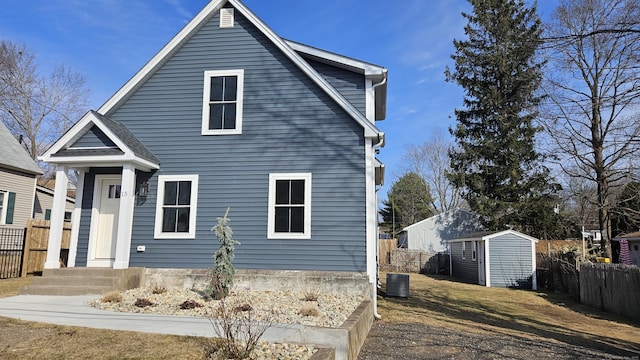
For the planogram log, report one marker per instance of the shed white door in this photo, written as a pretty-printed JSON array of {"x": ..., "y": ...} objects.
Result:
[
  {"x": 107, "y": 222},
  {"x": 481, "y": 268}
]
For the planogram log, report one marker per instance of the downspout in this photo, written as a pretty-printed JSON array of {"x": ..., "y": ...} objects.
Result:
[
  {"x": 374, "y": 290},
  {"x": 380, "y": 143}
]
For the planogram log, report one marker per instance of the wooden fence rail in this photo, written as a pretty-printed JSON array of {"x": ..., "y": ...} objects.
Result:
[{"x": 613, "y": 288}]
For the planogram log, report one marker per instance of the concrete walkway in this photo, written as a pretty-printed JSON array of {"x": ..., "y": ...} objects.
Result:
[{"x": 75, "y": 311}]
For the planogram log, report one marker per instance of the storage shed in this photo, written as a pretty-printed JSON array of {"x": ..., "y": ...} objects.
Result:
[
  {"x": 499, "y": 259},
  {"x": 432, "y": 234}
]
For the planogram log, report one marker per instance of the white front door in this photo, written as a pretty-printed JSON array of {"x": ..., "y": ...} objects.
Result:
[
  {"x": 481, "y": 269},
  {"x": 104, "y": 222}
]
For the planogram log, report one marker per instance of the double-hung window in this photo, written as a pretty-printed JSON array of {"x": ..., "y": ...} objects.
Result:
[
  {"x": 176, "y": 207},
  {"x": 7, "y": 205},
  {"x": 464, "y": 250},
  {"x": 222, "y": 102},
  {"x": 289, "y": 206}
]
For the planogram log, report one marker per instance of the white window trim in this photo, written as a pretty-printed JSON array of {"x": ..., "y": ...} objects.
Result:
[
  {"x": 239, "y": 101},
  {"x": 464, "y": 250},
  {"x": 3, "y": 208},
  {"x": 271, "y": 234},
  {"x": 158, "y": 234}
]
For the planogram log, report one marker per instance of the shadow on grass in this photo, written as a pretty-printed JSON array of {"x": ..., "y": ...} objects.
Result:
[{"x": 458, "y": 307}]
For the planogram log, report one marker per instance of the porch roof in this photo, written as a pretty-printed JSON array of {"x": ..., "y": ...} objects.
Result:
[{"x": 116, "y": 145}]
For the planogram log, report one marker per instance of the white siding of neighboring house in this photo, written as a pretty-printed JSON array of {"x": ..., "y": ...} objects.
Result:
[{"x": 432, "y": 234}]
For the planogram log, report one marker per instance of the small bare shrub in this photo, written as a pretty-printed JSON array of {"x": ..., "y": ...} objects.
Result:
[
  {"x": 238, "y": 330},
  {"x": 159, "y": 290},
  {"x": 312, "y": 295},
  {"x": 112, "y": 297},
  {"x": 190, "y": 304},
  {"x": 309, "y": 310},
  {"x": 142, "y": 302}
]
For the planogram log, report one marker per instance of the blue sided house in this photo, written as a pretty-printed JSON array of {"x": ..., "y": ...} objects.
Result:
[{"x": 228, "y": 115}]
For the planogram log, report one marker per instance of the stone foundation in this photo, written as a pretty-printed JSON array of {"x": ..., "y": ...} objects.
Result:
[{"x": 274, "y": 280}]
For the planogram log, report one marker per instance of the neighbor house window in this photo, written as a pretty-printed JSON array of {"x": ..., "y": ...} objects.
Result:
[
  {"x": 7, "y": 204},
  {"x": 464, "y": 250},
  {"x": 176, "y": 207},
  {"x": 289, "y": 206},
  {"x": 474, "y": 249},
  {"x": 222, "y": 102}
]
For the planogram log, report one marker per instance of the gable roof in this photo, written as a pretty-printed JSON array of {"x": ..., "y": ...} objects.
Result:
[
  {"x": 488, "y": 235},
  {"x": 439, "y": 215},
  {"x": 127, "y": 147},
  {"x": 13, "y": 155},
  {"x": 370, "y": 130}
]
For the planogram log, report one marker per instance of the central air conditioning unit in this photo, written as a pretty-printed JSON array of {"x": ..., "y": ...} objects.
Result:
[{"x": 398, "y": 285}]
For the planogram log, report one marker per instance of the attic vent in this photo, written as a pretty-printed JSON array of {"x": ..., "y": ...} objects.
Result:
[{"x": 226, "y": 17}]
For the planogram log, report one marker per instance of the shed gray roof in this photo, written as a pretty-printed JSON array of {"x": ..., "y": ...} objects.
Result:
[{"x": 13, "y": 155}]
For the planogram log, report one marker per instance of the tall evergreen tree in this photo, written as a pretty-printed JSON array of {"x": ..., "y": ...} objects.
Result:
[
  {"x": 408, "y": 202},
  {"x": 497, "y": 167}
]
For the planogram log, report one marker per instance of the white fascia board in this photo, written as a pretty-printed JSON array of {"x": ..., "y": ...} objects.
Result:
[
  {"x": 158, "y": 59},
  {"x": 344, "y": 62},
  {"x": 104, "y": 161},
  {"x": 512, "y": 232},
  {"x": 70, "y": 136}
]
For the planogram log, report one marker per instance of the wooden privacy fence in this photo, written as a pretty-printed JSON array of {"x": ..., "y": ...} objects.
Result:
[
  {"x": 35, "y": 249},
  {"x": 613, "y": 288},
  {"x": 384, "y": 252}
]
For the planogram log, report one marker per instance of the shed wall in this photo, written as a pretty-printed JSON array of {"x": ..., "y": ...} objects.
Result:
[
  {"x": 463, "y": 269},
  {"x": 511, "y": 258}
]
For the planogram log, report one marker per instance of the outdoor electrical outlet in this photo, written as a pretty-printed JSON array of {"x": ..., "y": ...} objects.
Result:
[{"x": 141, "y": 248}]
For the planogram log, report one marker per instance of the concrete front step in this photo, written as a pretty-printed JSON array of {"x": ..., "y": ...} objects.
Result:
[{"x": 84, "y": 281}]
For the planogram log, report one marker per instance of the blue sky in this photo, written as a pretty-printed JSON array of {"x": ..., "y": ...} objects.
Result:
[{"x": 108, "y": 41}]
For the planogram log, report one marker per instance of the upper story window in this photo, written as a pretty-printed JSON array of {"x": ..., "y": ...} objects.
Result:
[
  {"x": 176, "y": 207},
  {"x": 289, "y": 206},
  {"x": 222, "y": 102}
]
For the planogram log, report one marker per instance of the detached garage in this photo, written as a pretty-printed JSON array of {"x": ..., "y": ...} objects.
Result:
[{"x": 499, "y": 259}]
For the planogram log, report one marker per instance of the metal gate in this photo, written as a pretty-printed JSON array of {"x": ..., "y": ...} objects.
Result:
[{"x": 12, "y": 242}]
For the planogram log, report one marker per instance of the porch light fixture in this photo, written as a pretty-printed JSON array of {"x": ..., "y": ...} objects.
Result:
[{"x": 143, "y": 189}]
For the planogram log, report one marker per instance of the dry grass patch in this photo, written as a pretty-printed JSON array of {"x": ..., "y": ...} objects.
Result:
[
  {"x": 10, "y": 287},
  {"x": 29, "y": 340},
  {"x": 440, "y": 302},
  {"x": 32, "y": 340}
]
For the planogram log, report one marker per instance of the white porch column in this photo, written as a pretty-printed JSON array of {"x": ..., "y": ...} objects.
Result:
[
  {"x": 57, "y": 219},
  {"x": 75, "y": 221},
  {"x": 125, "y": 217}
]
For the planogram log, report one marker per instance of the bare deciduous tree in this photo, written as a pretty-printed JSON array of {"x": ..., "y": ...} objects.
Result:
[
  {"x": 431, "y": 161},
  {"x": 594, "y": 48},
  {"x": 35, "y": 107}
]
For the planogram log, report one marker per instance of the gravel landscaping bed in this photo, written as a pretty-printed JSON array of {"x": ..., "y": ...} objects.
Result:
[{"x": 281, "y": 307}]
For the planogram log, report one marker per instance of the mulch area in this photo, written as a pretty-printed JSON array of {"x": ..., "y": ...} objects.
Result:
[{"x": 413, "y": 341}]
